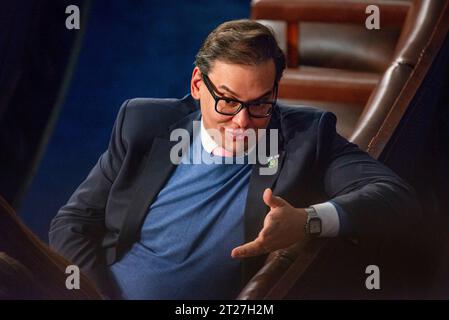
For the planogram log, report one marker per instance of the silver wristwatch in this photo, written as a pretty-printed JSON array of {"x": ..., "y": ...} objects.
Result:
[{"x": 313, "y": 224}]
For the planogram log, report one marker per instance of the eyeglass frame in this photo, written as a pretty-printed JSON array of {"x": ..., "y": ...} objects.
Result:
[{"x": 211, "y": 88}]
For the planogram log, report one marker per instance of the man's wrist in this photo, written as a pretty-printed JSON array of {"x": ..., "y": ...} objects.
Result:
[
  {"x": 313, "y": 225},
  {"x": 329, "y": 217}
]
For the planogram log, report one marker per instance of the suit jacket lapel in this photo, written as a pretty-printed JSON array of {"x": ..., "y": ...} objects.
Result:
[
  {"x": 255, "y": 209},
  {"x": 156, "y": 171}
]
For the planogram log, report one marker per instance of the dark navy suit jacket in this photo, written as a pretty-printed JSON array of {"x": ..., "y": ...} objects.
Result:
[{"x": 103, "y": 217}]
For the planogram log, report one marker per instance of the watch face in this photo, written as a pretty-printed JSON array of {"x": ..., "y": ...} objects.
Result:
[{"x": 315, "y": 226}]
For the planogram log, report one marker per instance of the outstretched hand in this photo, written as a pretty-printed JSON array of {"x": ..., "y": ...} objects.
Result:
[{"x": 282, "y": 227}]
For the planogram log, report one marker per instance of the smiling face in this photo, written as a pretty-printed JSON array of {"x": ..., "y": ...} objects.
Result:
[{"x": 242, "y": 82}]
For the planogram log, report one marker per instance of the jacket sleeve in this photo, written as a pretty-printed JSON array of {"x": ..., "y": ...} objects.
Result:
[
  {"x": 375, "y": 201},
  {"x": 79, "y": 226}
]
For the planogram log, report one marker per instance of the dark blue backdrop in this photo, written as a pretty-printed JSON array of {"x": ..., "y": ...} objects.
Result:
[{"x": 130, "y": 49}]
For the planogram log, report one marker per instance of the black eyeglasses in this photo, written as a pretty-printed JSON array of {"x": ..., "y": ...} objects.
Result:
[{"x": 230, "y": 107}]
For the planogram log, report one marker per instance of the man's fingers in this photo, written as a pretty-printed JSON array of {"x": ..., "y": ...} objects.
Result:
[
  {"x": 266, "y": 238},
  {"x": 266, "y": 233},
  {"x": 250, "y": 249},
  {"x": 269, "y": 225},
  {"x": 257, "y": 246},
  {"x": 272, "y": 201}
]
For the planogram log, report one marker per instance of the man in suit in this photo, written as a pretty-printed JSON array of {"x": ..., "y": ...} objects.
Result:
[{"x": 148, "y": 226}]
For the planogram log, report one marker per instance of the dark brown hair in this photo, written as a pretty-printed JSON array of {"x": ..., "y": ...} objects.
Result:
[{"x": 244, "y": 42}]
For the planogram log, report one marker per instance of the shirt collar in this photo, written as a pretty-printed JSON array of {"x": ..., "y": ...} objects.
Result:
[
  {"x": 209, "y": 144},
  {"x": 206, "y": 140}
]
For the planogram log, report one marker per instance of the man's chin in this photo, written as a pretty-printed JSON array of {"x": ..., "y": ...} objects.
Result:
[{"x": 237, "y": 148}]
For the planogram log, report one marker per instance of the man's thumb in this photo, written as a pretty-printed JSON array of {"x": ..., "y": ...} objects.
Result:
[{"x": 272, "y": 201}]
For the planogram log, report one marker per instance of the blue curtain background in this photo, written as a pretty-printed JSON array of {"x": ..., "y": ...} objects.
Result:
[{"x": 130, "y": 49}]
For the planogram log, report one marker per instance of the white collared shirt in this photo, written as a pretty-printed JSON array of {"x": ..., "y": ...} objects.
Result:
[{"x": 209, "y": 143}]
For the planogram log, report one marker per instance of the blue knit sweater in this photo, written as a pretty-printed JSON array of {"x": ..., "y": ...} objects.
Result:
[{"x": 186, "y": 240}]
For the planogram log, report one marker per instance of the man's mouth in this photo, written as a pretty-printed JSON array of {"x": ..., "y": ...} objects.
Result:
[{"x": 235, "y": 134}]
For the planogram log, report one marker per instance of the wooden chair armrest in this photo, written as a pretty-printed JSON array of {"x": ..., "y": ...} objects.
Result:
[{"x": 281, "y": 271}]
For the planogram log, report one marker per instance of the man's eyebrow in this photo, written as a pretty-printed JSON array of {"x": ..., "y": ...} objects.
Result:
[
  {"x": 264, "y": 95},
  {"x": 225, "y": 88}
]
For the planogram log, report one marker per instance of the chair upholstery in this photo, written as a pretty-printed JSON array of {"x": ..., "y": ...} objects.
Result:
[
  {"x": 17, "y": 281},
  {"x": 418, "y": 46},
  {"x": 29, "y": 269},
  {"x": 346, "y": 46},
  {"x": 418, "y": 28},
  {"x": 348, "y": 62}
]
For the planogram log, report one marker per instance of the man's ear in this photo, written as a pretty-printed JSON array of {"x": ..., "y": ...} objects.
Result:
[{"x": 195, "y": 83}]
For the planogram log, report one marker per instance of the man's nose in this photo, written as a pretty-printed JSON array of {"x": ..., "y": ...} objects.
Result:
[{"x": 242, "y": 118}]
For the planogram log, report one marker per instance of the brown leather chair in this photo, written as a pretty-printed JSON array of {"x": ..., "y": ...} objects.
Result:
[
  {"x": 29, "y": 269},
  {"x": 418, "y": 28},
  {"x": 426, "y": 27},
  {"x": 334, "y": 62}
]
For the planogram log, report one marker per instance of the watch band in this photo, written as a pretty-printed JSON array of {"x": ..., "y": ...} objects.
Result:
[{"x": 313, "y": 225}]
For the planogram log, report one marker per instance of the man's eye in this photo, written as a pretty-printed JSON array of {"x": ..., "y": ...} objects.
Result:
[{"x": 231, "y": 103}]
